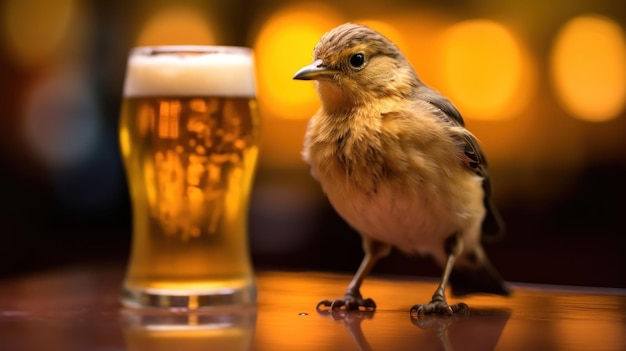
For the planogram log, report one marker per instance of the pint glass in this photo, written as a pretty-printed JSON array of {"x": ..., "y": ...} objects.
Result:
[{"x": 189, "y": 140}]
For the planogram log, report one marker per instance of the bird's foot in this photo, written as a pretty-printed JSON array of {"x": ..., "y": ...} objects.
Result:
[
  {"x": 349, "y": 317},
  {"x": 350, "y": 302},
  {"x": 438, "y": 307}
]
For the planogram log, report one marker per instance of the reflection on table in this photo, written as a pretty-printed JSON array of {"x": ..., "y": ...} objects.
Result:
[
  {"x": 78, "y": 308},
  {"x": 223, "y": 329}
]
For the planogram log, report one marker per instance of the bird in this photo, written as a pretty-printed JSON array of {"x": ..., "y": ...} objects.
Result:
[{"x": 394, "y": 159}]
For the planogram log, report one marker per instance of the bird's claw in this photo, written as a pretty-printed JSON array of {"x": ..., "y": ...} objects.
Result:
[
  {"x": 348, "y": 303},
  {"x": 438, "y": 307},
  {"x": 349, "y": 317}
]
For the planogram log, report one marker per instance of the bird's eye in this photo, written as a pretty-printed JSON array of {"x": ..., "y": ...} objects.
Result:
[{"x": 357, "y": 60}]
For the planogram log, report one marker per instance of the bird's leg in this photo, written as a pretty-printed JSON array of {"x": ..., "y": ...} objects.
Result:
[
  {"x": 352, "y": 299},
  {"x": 438, "y": 303}
]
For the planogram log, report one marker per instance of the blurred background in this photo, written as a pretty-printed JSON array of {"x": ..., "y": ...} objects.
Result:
[{"x": 542, "y": 84}]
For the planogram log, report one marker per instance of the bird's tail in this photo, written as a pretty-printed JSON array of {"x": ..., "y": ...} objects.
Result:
[{"x": 479, "y": 277}]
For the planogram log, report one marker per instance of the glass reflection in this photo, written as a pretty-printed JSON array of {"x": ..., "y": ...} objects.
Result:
[{"x": 219, "y": 329}]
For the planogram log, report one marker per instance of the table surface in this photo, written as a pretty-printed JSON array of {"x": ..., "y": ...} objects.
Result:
[{"x": 77, "y": 308}]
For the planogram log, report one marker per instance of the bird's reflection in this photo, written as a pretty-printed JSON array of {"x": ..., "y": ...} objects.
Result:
[
  {"x": 439, "y": 326},
  {"x": 352, "y": 320},
  {"x": 221, "y": 329},
  {"x": 478, "y": 329}
]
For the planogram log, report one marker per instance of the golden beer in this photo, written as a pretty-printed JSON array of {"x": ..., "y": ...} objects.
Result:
[{"x": 189, "y": 140}]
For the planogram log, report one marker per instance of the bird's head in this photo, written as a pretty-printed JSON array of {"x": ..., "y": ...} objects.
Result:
[{"x": 354, "y": 64}]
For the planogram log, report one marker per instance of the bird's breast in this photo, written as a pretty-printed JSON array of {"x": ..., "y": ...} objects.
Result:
[
  {"x": 395, "y": 179},
  {"x": 413, "y": 220},
  {"x": 399, "y": 208}
]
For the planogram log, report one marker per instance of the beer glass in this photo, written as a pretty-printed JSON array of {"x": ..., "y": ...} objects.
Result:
[{"x": 189, "y": 136}]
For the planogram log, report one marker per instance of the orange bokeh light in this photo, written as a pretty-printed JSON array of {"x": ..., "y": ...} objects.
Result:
[
  {"x": 588, "y": 66},
  {"x": 485, "y": 70},
  {"x": 284, "y": 45}
]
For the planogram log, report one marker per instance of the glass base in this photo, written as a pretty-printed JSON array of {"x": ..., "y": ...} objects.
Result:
[{"x": 178, "y": 300}]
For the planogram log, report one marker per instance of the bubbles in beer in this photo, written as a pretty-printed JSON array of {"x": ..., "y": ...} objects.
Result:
[{"x": 193, "y": 176}]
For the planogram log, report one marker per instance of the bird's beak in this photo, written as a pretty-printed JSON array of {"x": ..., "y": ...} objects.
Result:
[{"x": 315, "y": 71}]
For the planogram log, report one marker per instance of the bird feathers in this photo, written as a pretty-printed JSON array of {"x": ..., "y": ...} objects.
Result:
[{"x": 392, "y": 154}]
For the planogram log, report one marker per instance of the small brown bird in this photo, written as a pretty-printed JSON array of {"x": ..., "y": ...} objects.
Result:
[{"x": 396, "y": 162}]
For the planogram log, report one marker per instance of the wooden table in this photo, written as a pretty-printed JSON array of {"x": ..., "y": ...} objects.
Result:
[{"x": 77, "y": 308}]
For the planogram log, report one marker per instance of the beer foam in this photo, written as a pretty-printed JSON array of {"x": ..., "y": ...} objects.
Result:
[{"x": 187, "y": 71}]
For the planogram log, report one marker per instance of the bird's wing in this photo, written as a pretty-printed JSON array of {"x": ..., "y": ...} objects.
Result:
[{"x": 470, "y": 154}]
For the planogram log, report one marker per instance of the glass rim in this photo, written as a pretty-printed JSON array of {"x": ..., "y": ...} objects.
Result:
[{"x": 154, "y": 50}]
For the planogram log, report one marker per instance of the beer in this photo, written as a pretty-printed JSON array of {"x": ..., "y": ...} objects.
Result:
[{"x": 189, "y": 140}]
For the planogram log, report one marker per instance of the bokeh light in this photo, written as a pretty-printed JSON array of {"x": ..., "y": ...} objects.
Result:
[
  {"x": 485, "y": 70},
  {"x": 61, "y": 119},
  {"x": 177, "y": 25},
  {"x": 284, "y": 45},
  {"x": 588, "y": 66},
  {"x": 34, "y": 30}
]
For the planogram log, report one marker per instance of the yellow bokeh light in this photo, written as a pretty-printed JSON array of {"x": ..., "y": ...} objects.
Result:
[
  {"x": 176, "y": 25},
  {"x": 485, "y": 70},
  {"x": 588, "y": 66},
  {"x": 284, "y": 45},
  {"x": 35, "y": 29}
]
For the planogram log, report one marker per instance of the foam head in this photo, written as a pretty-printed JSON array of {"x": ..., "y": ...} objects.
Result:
[{"x": 190, "y": 71}]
